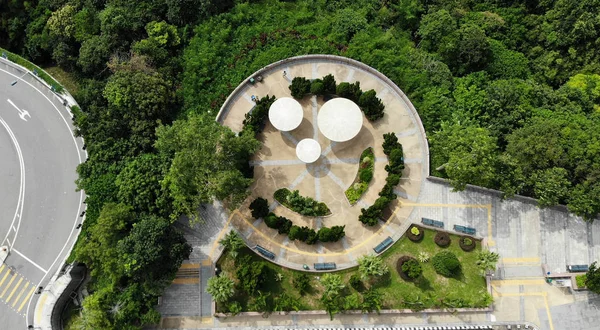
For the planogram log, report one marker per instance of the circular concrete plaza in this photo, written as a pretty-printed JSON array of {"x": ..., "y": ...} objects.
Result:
[{"x": 277, "y": 166}]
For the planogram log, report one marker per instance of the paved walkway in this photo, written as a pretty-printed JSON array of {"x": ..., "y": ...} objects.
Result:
[{"x": 516, "y": 228}]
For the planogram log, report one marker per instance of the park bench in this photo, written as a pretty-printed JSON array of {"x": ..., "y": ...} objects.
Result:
[
  {"x": 431, "y": 222},
  {"x": 265, "y": 252},
  {"x": 383, "y": 245},
  {"x": 325, "y": 266},
  {"x": 577, "y": 268},
  {"x": 466, "y": 230}
]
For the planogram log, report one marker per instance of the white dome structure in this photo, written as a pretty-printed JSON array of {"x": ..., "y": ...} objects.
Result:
[
  {"x": 340, "y": 119},
  {"x": 285, "y": 114},
  {"x": 308, "y": 150}
]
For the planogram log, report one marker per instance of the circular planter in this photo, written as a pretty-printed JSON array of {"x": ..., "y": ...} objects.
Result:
[
  {"x": 399, "y": 264},
  {"x": 442, "y": 239},
  {"x": 467, "y": 248},
  {"x": 413, "y": 237}
]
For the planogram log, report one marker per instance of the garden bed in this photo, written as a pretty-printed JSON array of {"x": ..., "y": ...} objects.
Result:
[
  {"x": 359, "y": 186},
  {"x": 430, "y": 291},
  {"x": 303, "y": 205},
  {"x": 463, "y": 240}
]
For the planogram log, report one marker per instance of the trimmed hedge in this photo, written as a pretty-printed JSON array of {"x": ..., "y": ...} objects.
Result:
[
  {"x": 304, "y": 205},
  {"x": 442, "y": 239},
  {"x": 446, "y": 263},
  {"x": 463, "y": 242},
  {"x": 30, "y": 66},
  {"x": 304, "y": 234}
]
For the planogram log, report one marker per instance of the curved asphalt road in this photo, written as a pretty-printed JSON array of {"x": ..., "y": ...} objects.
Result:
[{"x": 39, "y": 207}]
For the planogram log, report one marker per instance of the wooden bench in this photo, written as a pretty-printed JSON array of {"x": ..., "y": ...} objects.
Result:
[
  {"x": 466, "y": 230},
  {"x": 383, "y": 245},
  {"x": 324, "y": 266},
  {"x": 433, "y": 223},
  {"x": 577, "y": 268},
  {"x": 265, "y": 252}
]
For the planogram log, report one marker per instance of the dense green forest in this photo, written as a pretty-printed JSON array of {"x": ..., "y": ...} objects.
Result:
[{"x": 508, "y": 91}]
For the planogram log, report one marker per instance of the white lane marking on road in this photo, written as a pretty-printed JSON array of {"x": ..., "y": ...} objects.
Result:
[
  {"x": 20, "y": 200},
  {"x": 80, "y": 195},
  {"x": 22, "y": 112},
  {"x": 31, "y": 261}
]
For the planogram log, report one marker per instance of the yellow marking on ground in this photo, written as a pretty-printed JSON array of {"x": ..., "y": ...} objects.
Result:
[
  {"x": 206, "y": 262},
  {"x": 216, "y": 243},
  {"x": 8, "y": 285},
  {"x": 2, "y": 268},
  {"x": 188, "y": 266},
  {"x": 206, "y": 320},
  {"x": 490, "y": 241},
  {"x": 14, "y": 290},
  {"x": 25, "y": 299},
  {"x": 4, "y": 278},
  {"x": 192, "y": 280},
  {"x": 39, "y": 311},
  {"x": 532, "y": 260},
  {"x": 532, "y": 294},
  {"x": 20, "y": 294},
  {"x": 518, "y": 282}
]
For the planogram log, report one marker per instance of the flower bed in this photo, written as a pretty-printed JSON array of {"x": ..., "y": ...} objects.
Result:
[
  {"x": 401, "y": 262},
  {"x": 415, "y": 233},
  {"x": 300, "y": 204},
  {"x": 464, "y": 243},
  {"x": 363, "y": 176},
  {"x": 442, "y": 239}
]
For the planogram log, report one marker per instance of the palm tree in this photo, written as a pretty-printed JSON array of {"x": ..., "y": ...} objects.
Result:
[
  {"x": 371, "y": 265},
  {"x": 333, "y": 284},
  {"x": 486, "y": 261},
  {"x": 220, "y": 288},
  {"x": 233, "y": 243}
]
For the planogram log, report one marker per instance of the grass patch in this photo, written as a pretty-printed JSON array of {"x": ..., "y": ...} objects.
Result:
[
  {"x": 300, "y": 204},
  {"x": 580, "y": 279},
  {"x": 65, "y": 78},
  {"x": 363, "y": 177},
  {"x": 41, "y": 73},
  {"x": 467, "y": 289}
]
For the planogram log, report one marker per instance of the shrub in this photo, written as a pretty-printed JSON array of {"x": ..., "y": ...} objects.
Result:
[
  {"x": 371, "y": 105},
  {"x": 390, "y": 142},
  {"x": 329, "y": 85},
  {"x": 272, "y": 220},
  {"x": 255, "y": 121},
  {"x": 396, "y": 162},
  {"x": 412, "y": 268},
  {"x": 370, "y": 216},
  {"x": 284, "y": 225},
  {"x": 446, "y": 264},
  {"x": 301, "y": 282},
  {"x": 467, "y": 241},
  {"x": 366, "y": 175},
  {"x": 442, "y": 239},
  {"x": 317, "y": 87},
  {"x": 343, "y": 89},
  {"x": 355, "y": 192},
  {"x": 300, "y": 87},
  {"x": 349, "y": 91},
  {"x": 259, "y": 208},
  {"x": 415, "y": 231},
  {"x": 356, "y": 282},
  {"x": 252, "y": 275},
  {"x": 423, "y": 257},
  {"x": 332, "y": 234}
]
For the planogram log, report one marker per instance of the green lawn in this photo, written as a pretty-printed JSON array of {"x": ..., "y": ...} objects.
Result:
[{"x": 466, "y": 290}]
